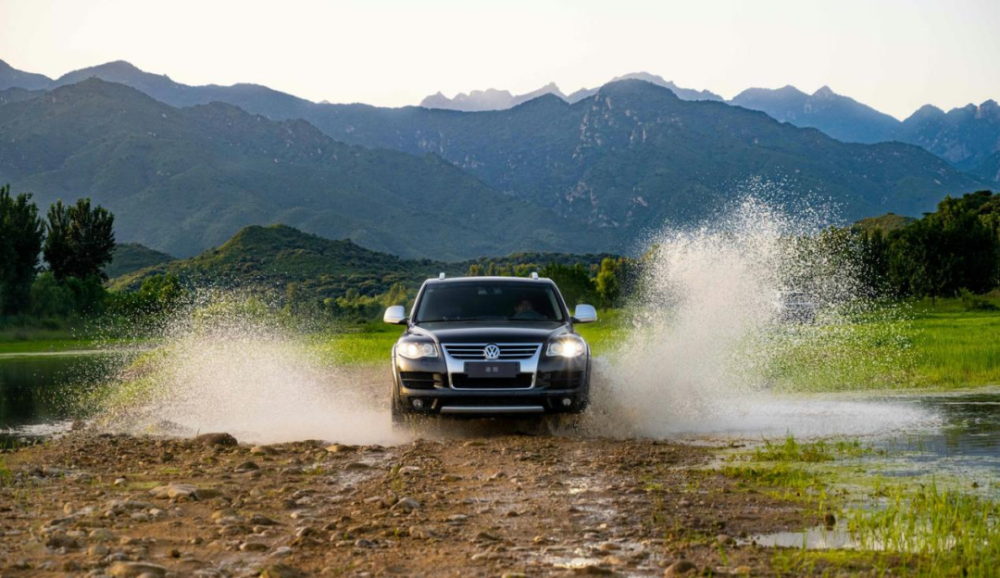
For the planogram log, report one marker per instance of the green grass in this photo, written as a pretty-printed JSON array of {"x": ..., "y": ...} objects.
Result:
[
  {"x": 369, "y": 345},
  {"x": 939, "y": 532},
  {"x": 918, "y": 527},
  {"x": 956, "y": 349}
]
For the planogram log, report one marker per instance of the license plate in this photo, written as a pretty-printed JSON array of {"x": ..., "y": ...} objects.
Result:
[{"x": 482, "y": 369}]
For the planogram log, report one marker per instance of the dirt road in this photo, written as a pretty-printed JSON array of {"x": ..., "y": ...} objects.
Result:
[{"x": 100, "y": 504}]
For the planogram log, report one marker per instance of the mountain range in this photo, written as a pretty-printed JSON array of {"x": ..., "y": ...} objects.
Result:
[
  {"x": 185, "y": 167},
  {"x": 180, "y": 180},
  {"x": 966, "y": 137},
  {"x": 493, "y": 99}
]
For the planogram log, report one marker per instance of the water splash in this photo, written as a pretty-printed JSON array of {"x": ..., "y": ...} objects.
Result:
[
  {"x": 230, "y": 363},
  {"x": 709, "y": 347}
]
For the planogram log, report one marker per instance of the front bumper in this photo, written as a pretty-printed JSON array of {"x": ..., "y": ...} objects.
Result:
[{"x": 555, "y": 385}]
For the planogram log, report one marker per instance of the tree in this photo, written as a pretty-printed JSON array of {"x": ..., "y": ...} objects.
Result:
[
  {"x": 608, "y": 286},
  {"x": 80, "y": 240},
  {"x": 21, "y": 233},
  {"x": 574, "y": 282}
]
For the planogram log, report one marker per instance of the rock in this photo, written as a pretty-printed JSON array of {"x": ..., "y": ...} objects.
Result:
[
  {"x": 280, "y": 552},
  {"x": 407, "y": 505},
  {"x": 474, "y": 444},
  {"x": 246, "y": 467},
  {"x": 135, "y": 569},
  {"x": 485, "y": 536},
  {"x": 451, "y": 478},
  {"x": 262, "y": 520},
  {"x": 101, "y": 535},
  {"x": 98, "y": 550},
  {"x": 513, "y": 575},
  {"x": 282, "y": 571},
  {"x": 68, "y": 508},
  {"x": 253, "y": 547},
  {"x": 60, "y": 540},
  {"x": 680, "y": 568},
  {"x": 183, "y": 492},
  {"x": 724, "y": 540},
  {"x": 261, "y": 450},
  {"x": 340, "y": 448},
  {"x": 829, "y": 520},
  {"x": 357, "y": 466},
  {"x": 216, "y": 439}
]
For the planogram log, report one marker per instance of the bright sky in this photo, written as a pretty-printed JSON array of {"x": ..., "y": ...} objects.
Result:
[{"x": 895, "y": 55}]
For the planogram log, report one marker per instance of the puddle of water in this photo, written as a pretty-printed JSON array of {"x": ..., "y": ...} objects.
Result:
[{"x": 818, "y": 538}]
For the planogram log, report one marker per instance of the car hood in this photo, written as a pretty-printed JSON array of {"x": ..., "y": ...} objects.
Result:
[{"x": 498, "y": 332}]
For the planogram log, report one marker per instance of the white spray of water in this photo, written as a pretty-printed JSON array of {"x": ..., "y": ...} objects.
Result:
[
  {"x": 707, "y": 334},
  {"x": 226, "y": 366}
]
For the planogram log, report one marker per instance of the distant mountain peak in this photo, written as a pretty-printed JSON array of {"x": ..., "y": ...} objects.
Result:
[
  {"x": 11, "y": 77},
  {"x": 926, "y": 111},
  {"x": 825, "y": 92},
  {"x": 489, "y": 99}
]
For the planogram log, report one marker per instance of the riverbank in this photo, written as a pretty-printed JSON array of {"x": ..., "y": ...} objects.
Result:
[
  {"x": 507, "y": 505},
  {"x": 502, "y": 505}
]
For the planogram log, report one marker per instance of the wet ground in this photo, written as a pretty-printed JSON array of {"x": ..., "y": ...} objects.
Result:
[
  {"x": 509, "y": 505},
  {"x": 474, "y": 499}
]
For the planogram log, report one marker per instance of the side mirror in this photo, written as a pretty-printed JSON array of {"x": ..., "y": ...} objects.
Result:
[
  {"x": 585, "y": 314},
  {"x": 395, "y": 315}
]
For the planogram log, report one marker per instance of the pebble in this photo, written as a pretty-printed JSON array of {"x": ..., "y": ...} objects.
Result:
[
  {"x": 216, "y": 439},
  {"x": 282, "y": 571},
  {"x": 246, "y": 467},
  {"x": 253, "y": 547},
  {"x": 135, "y": 570},
  {"x": 262, "y": 520},
  {"x": 679, "y": 568},
  {"x": 101, "y": 535},
  {"x": 407, "y": 505}
]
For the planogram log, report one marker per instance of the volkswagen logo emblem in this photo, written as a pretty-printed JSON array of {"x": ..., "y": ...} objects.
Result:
[{"x": 491, "y": 351}]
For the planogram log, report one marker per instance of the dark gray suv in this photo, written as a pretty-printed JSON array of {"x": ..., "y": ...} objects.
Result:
[{"x": 486, "y": 346}]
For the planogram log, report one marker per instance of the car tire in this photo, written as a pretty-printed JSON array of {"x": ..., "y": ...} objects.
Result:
[{"x": 398, "y": 414}]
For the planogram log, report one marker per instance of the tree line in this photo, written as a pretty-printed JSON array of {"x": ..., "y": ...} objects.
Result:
[
  {"x": 75, "y": 241},
  {"x": 951, "y": 252}
]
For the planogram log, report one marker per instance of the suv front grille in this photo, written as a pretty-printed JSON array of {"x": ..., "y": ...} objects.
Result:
[
  {"x": 508, "y": 351},
  {"x": 463, "y": 381}
]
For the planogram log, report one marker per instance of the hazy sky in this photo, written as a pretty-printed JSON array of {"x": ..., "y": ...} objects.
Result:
[{"x": 895, "y": 55}]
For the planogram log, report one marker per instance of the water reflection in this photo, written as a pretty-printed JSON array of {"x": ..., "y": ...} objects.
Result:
[{"x": 34, "y": 388}]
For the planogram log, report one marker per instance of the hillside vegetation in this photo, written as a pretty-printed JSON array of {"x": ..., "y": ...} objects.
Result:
[
  {"x": 183, "y": 180},
  {"x": 129, "y": 257}
]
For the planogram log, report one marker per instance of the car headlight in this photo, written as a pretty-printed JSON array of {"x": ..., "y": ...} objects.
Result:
[
  {"x": 416, "y": 349},
  {"x": 566, "y": 346}
]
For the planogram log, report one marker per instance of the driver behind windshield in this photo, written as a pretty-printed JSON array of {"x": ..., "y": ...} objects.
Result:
[
  {"x": 488, "y": 301},
  {"x": 525, "y": 309}
]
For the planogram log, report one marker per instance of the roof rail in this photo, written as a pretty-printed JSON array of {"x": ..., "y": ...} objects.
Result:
[
  {"x": 534, "y": 274},
  {"x": 441, "y": 275}
]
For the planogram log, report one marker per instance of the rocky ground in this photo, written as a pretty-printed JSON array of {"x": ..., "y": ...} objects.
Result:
[{"x": 95, "y": 504}]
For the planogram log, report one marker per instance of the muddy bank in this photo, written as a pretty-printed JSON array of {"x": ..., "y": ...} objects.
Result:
[{"x": 113, "y": 505}]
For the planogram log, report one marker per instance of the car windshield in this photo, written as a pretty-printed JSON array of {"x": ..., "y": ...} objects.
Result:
[{"x": 489, "y": 302}]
